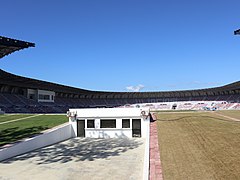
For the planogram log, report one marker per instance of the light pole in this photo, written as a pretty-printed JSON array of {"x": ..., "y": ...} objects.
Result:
[{"x": 237, "y": 32}]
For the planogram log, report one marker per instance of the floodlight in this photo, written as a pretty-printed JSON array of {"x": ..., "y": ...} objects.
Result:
[{"x": 237, "y": 32}]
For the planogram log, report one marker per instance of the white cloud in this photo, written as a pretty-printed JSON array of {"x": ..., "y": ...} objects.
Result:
[{"x": 135, "y": 88}]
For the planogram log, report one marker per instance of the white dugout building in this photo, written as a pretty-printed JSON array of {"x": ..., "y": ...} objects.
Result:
[{"x": 110, "y": 122}]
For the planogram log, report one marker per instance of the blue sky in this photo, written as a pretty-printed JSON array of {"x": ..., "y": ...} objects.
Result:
[{"x": 125, "y": 45}]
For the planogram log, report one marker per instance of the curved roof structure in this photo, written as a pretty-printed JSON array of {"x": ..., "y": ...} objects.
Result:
[
  {"x": 19, "y": 81},
  {"x": 8, "y": 45},
  {"x": 8, "y": 79}
]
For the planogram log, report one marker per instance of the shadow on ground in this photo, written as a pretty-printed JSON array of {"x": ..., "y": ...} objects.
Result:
[
  {"x": 80, "y": 149},
  {"x": 14, "y": 134}
]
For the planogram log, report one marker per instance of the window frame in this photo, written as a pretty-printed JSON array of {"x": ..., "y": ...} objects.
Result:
[
  {"x": 93, "y": 123},
  {"x": 104, "y": 120},
  {"x": 129, "y": 124}
]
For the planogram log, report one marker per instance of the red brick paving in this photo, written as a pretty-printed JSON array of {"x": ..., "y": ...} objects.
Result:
[{"x": 155, "y": 172}]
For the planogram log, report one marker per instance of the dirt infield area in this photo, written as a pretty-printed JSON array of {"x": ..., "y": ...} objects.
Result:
[{"x": 199, "y": 146}]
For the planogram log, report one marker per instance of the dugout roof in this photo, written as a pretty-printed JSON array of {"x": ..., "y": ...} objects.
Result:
[{"x": 8, "y": 45}]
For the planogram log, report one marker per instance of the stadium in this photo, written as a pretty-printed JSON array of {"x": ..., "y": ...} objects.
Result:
[
  {"x": 186, "y": 124},
  {"x": 24, "y": 95}
]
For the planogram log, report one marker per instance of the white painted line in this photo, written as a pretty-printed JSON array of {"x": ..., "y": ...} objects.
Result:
[
  {"x": 20, "y": 119},
  {"x": 228, "y": 117},
  {"x": 8, "y": 114}
]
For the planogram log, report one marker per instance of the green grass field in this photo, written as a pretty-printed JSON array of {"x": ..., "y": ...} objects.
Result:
[
  {"x": 15, "y": 131},
  {"x": 199, "y": 146}
]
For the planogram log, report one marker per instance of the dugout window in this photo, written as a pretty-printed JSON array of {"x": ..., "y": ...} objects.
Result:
[
  {"x": 90, "y": 123},
  {"x": 108, "y": 123},
  {"x": 125, "y": 123}
]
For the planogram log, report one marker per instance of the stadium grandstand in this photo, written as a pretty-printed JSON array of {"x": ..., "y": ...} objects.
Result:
[{"x": 25, "y": 95}]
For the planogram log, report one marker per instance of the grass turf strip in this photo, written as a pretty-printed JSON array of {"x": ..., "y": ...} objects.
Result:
[{"x": 15, "y": 131}]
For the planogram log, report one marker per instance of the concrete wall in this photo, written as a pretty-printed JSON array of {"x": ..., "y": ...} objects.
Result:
[
  {"x": 145, "y": 127},
  {"x": 48, "y": 138},
  {"x": 98, "y": 132},
  {"x": 146, "y": 161},
  {"x": 108, "y": 133}
]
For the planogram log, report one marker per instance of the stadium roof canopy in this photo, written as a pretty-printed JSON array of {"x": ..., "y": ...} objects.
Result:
[
  {"x": 237, "y": 32},
  {"x": 8, "y": 45}
]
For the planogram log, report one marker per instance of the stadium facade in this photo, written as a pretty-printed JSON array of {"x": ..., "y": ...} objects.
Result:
[{"x": 22, "y": 94}]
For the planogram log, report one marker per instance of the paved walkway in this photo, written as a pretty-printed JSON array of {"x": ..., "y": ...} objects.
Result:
[
  {"x": 155, "y": 163},
  {"x": 79, "y": 158}
]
